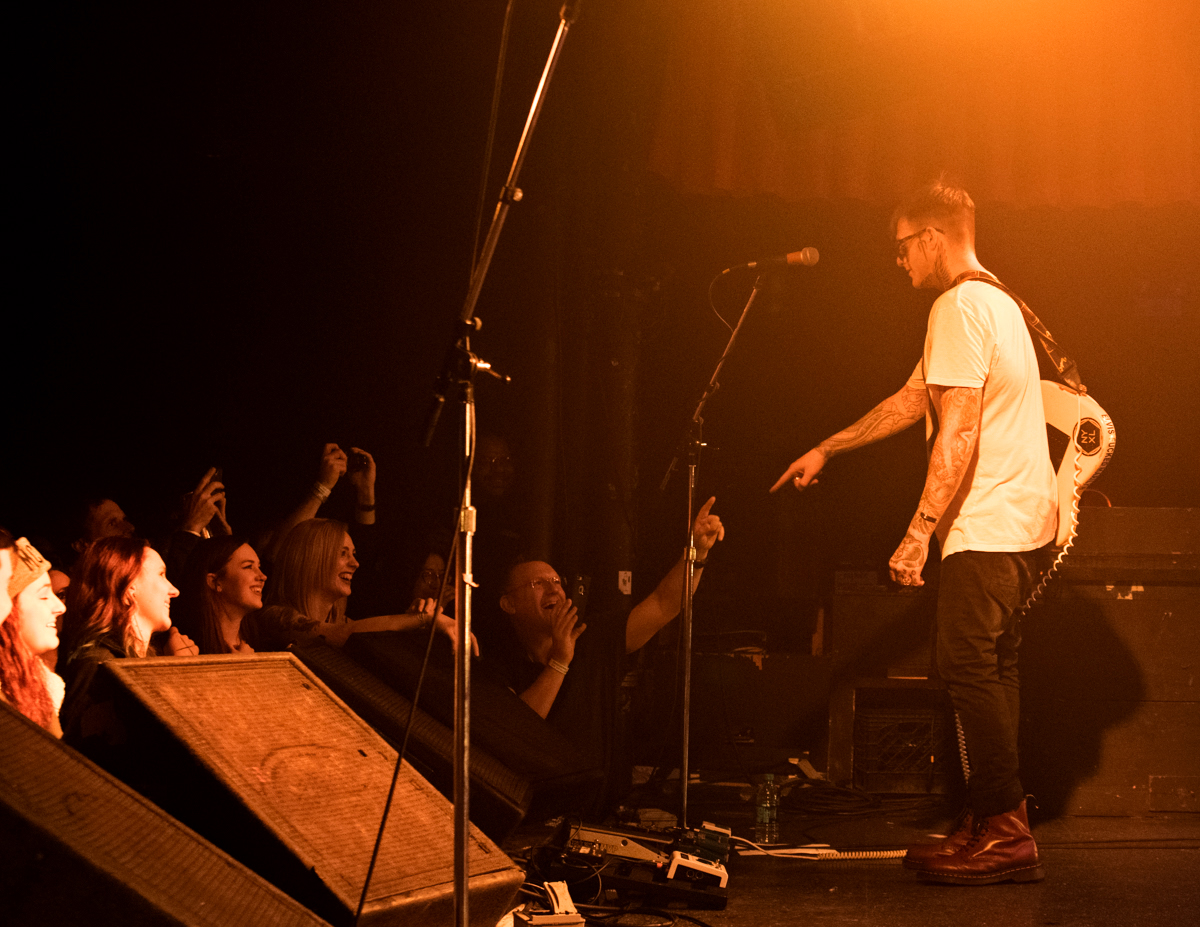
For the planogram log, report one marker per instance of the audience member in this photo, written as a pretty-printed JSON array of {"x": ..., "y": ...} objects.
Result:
[
  {"x": 60, "y": 583},
  {"x": 223, "y": 583},
  {"x": 100, "y": 518},
  {"x": 335, "y": 464},
  {"x": 120, "y": 603},
  {"x": 200, "y": 514},
  {"x": 201, "y": 511},
  {"x": 30, "y": 631},
  {"x": 428, "y": 583},
  {"x": 503, "y": 533},
  {"x": 6, "y": 569},
  {"x": 310, "y": 583},
  {"x": 572, "y": 679}
]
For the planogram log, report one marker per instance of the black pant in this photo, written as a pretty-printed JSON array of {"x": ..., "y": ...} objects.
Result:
[{"x": 978, "y": 634}]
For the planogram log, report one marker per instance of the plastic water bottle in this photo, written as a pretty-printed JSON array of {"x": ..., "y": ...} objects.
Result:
[{"x": 766, "y": 811}]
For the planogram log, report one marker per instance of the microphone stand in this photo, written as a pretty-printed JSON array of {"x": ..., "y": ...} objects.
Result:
[
  {"x": 458, "y": 372},
  {"x": 692, "y": 444}
]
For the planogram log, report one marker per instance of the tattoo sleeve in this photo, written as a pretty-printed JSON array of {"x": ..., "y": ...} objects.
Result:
[
  {"x": 893, "y": 415},
  {"x": 957, "y": 439}
]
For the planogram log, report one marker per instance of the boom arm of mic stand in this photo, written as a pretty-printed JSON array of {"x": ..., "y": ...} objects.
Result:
[
  {"x": 510, "y": 193},
  {"x": 693, "y": 445},
  {"x": 691, "y": 437}
]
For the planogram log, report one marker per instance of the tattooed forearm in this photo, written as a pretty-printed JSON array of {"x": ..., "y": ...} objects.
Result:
[
  {"x": 952, "y": 452},
  {"x": 892, "y": 415}
]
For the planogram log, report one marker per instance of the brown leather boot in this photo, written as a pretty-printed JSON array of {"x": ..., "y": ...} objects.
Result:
[
  {"x": 999, "y": 849},
  {"x": 921, "y": 854}
]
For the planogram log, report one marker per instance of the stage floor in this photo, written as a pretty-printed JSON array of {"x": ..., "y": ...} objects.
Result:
[{"x": 1100, "y": 871}]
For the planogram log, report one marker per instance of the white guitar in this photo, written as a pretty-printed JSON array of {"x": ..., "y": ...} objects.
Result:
[{"x": 1082, "y": 439}]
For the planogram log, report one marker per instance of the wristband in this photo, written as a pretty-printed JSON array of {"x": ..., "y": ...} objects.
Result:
[
  {"x": 699, "y": 563},
  {"x": 557, "y": 666},
  {"x": 320, "y": 490}
]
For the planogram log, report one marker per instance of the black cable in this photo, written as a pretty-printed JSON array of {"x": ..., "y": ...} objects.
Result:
[
  {"x": 614, "y": 915},
  {"x": 712, "y": 305}
]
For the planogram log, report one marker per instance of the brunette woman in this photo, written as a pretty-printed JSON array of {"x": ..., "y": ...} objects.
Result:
[{"x": 223, "y": 584}]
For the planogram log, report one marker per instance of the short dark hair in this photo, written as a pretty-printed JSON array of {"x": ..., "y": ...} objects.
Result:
[
  {"x": 511, "y": 567},
  {"x": 81, "y": 516},
  {"x": 942, "y": 204}
]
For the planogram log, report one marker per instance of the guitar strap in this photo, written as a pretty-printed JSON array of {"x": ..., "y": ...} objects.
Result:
[{"x": 1067, "y": 371}]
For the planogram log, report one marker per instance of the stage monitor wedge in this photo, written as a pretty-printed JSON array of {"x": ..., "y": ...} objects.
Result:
[
  {"x": 258, "y": 755},
  {"x": 499, "y": 797},
  {"x": 81, "y": 848},
  {"x": 564, "y": 778}
]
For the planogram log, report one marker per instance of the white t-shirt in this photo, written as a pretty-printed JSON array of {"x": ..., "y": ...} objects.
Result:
[{"x": 1007, "y": 500}]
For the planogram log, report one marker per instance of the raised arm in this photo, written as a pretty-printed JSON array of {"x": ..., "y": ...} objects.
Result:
[
  {"x": 333, "y": 465},
  {"x": 663, "y": 604},
  {"x": 959, "y": 410},
  {"x": 900, "y": 410},
  {"x": 419, "y": 615}
]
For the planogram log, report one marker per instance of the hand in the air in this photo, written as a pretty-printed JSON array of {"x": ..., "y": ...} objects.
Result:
[
  {"x": 803, "y": 470},
  {"x": 333, "y": 466},
  {"x": 205, "y": 502},
  {"x": 707, "y": 529},
  {"x": 363, "y": 480}
]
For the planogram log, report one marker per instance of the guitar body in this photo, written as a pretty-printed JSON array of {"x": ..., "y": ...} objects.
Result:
[{"x": 1082, "y": 439}]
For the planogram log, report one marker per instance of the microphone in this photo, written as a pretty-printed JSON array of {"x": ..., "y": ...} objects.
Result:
[{"x": 807, "y": 256}]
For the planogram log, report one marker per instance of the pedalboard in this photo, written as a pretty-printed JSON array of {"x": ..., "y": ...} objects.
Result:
[{"x": 681, "y": 865}]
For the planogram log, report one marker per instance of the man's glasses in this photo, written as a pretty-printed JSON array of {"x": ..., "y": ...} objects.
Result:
[
  {"x": 902, "y": 243},
  {"x": 543, "y": 584},
  {"x": 431, "y": 576}
]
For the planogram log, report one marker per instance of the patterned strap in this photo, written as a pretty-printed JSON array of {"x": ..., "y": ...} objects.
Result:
[{"x": 1066, "y": 368}]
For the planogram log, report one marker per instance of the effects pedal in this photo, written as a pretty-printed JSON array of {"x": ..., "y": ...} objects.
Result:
[{"x": 562, "y": 912}]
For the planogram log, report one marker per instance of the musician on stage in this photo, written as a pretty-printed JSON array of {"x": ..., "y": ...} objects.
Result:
[{"x": 990, "y": 497}]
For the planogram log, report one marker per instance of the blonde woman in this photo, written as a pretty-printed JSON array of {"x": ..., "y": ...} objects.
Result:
[{"x": 307, "y": 592}]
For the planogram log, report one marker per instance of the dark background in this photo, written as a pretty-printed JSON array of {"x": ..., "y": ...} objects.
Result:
[{"x": 245, "y": 229}]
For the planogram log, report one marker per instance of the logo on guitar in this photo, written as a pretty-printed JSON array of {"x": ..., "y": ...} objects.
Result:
[{"x": 1088, "y": 437}]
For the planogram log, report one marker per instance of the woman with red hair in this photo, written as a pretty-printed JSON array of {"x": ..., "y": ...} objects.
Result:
[
  {"x": 120, "y": 603},
  {"x": 27, "y": 683}
]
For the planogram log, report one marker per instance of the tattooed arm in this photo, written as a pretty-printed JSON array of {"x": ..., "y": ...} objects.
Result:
[
  {"x": 891, "y": 416},
  {"x": 959, "y": 409}
]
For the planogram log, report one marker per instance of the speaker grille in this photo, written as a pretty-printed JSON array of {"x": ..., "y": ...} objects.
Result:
[
  {"x": 901, "y": 749},
  {"x": 124, "y": 841},
  {"x": 310, "y": 771}
]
